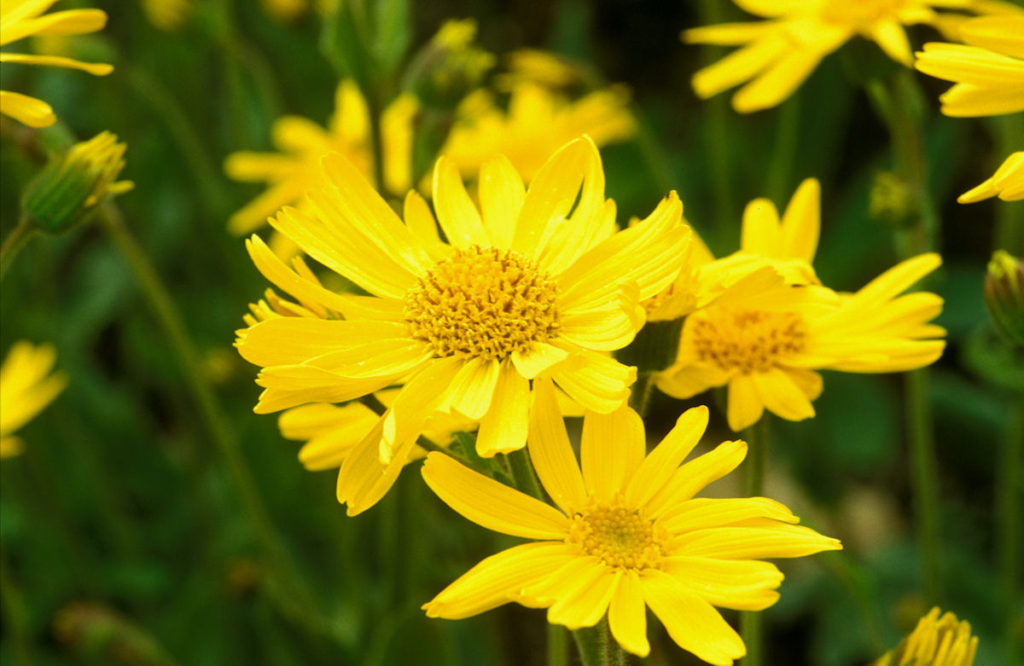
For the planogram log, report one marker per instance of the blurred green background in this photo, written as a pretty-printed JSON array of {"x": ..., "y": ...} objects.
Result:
[{"x": 122, "y": 530}]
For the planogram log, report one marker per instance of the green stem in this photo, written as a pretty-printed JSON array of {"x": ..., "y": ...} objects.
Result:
[
  {"x": 14, "y": 613},
  {"x": 1008, "y": 486},
  {"x": 787, "y": 135},
  {"x": 523, "y": 475},
  {"x": 14, "y": 242},
  {"x": 924, "y": 478},
  {"x": 558, "y": 646},
  {"x": 640, "y": 395},
  {"x": 751, "y": 624},
  {"x": 295, "y": 596},
  {"x": 597, "y": 647}
]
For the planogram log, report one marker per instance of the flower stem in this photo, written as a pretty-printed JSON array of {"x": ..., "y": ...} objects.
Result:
[
  {"x": 15, "y": 615},
  {"x": 924, "y": 476},
  {"x": 751, "y": 625},
  {"x": 294, "y": 596},
  {"x": 597, "y": 647},
  {"x": 1008, "y": 487},
  {"x": 558, "y": 647},
  {"x": 523, "y": 475},
  {"x": 14, "y": 242}
]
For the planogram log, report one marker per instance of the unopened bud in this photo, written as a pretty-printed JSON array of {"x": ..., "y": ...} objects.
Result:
[
  {"x": 69, "y": 188},
  {"x": 1004, "y": 295},
  {"x": 937, "y": 639},
  {"x": 450, "y": 65}
]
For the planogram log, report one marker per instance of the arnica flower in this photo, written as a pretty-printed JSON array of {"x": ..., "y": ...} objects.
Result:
[
  {"x": 627, "y": 534},
  {"x": 989, "y": 74},
  {"x": 301, "y": 143},
  {"x": 779, "y": 53},
  {"x": 167, "y": 15},
  {"x": 763, "y": 324},
  {"x": 70, "y": 187},
  {"x": 24, "y": 18},
  {"x": 937, "y": 640},
  {"x": 524, "y": 287},
  {"x": 27, "y": 385},
  {"x": 538, "y": 122}
]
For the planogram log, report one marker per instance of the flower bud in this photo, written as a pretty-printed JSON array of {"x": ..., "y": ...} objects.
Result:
[
  {"x": 1004, "y": 295},
  {"x": 936, "y": 640},
  {"x": 449, "y": 66},
  {"x": 69, "y": 188}
]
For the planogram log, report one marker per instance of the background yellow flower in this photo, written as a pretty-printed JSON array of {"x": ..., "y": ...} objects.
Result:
[{"x": 27, "y": 385}]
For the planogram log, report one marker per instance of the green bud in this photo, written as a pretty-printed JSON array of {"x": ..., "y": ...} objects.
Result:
[
  {"x": 69, "y": 188},
  {"x": 1004, "y": 295},
  {"x": 449, "y": 65}
]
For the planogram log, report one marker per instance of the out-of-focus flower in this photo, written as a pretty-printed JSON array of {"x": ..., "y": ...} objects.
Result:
[
  {"x": 301, "y": 144},
  {"x": 936, "y": 641},
  {"x": 989, "y": 74},
  {"x": 762, "y": 323},
  {"x": 449, "y": 65},
  {"x": 1004, "y": 295},
  {"x": 27, "y": 386},
  {"x": 24, "y": 18},
  {"x": 780, "y": 52},
  {"x": 69, "y": 188},
  {"x": 538, "y": 67},
  {"x": 524, "y": 287},
  {"x": 167, "y": 15},
  {"x": 536, "y": 123},
  {"x": 627, "y": 534},
  {"x": 285, "y": 11}
]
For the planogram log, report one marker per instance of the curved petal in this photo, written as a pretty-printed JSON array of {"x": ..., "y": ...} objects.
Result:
[
  {"x": 612, "y": 447},
  {"x": 415, "y": 402},
  {"x": 691, "y": 622},
  {"x": 311, "y": 294},
  {"x": 657, "y": 468},
  {"x": 293, "y": 340},
  {"x": 363, "y": 478},
  {"x": 539, "y": 358},
  {"x": 777, "y": 82},
  {"x": 69, "y": 22},
  {"x": 471, "y": 392},
  {"x": 501, "y": 193},
  {"x": 780, "y": 395},
  {"x": 491, "y": 504},
  {"x": 497, "y": 580},
  {"x": 702, "y": 512},
  {"x": 292, "y": 385},
  {"x": 735, "y": 584},
  {"x": 597, "y": 382},
  {"x": 760, "y": 233},
  {"x": 744, "y": 408},
  {"x": 551, "y": 453},
  {"x": 26, "y": 110},
  {"x": 585, "y": 603},
  {"x": 695, "y": 475},
  {"x": 504, "y": 427},
  {"x": 801, "y": 223},
  {"x": 456, "y": 212},
  {"x": 751, "y": 543},
  {"x": 627, "y": 615},
  {"x": 686, "y": 380},
  {"x": 96, "y": 69}
]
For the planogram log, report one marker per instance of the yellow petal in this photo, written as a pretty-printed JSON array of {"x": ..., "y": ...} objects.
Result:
[
  {"x": 691, "y": 622},
  {"x": 96, "y": 69},
  {"x": 612, "y": 447},
  {"x": 755, "y": 542},
  {"x": 311, "y": 294},
  {"x": 293, "y": 340},
  {"x": 736, "y": 584},
  {"x": 1002, "y": 34},
  {"x": 456, "y": 212},
  {"x": 415, "y": 402},
  {"x": 686, "y": 380},
  {"x": 778, "y": 82},
  {"x": 256, "y": 213},
  {"x": 627, "y": 615},
  {"x": 501, "y": 194},
  {"x": 504, "y": 427},
  {"x": 419, "y": 219},
  {"x": 744, "y": 408},
  {"x": 472, "y": 390},
  {"x": 497, "y": 580},
  {"x": 891, "y": 36},
  {"x": 781, "y": 396},
  {"x": 491, "y": 504},
  {"x": 363, "y": 478},
  {"x": 26, "y": 110},
  {"x": 537, "y": 359},
  {"x": 70, "y": 22},
  {"x": 583, "y": 603},
  {"x": 293, "y": 385},
  {"x": 597, "y": 382},
  {"x": 695, "y": 475},
  {"x": 801, "y": 223},
  {"x": 741, "y": 65},
  {"x": 761, "y": 232},
  {"x": 701, "y": 512},
  {"x": 551, "y": 453},
  {"x": 657, "y": 468}
]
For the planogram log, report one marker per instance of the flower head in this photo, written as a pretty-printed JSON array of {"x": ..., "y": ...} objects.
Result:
[
  {"x": 69, "y": 188},
  {"x": 529, "y": 284},
  {"x": 27, "y": 386},
  {"x": 780, "y": 52},
  {"x": 936, "y": 641},
  {"x": 762, "y": 324},
  {"x": 24, "y": 18},
  {"x": 989, "y": 74},
  {"x": 627, "y": 534},
  {"x": 301, "y": 143}
]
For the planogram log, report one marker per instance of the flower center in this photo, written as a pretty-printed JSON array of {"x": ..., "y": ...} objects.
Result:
[
  {"x": 482, "y": 303},
  {"x": 618, "y": 535},
  {"x": 746, "y": 340}
]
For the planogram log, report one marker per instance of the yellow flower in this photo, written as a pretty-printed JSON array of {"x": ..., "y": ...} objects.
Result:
[
  {"x": 537, "y": 123},
  {"x": 627, "y": 534},
  {"x": 763, "y": 324},
  {"x": 989, "y": 76},
  {"x": 301, "y": 143},
  {"x": 167, "y": 15},
  {"x": 26, "y": 387},
  {"x": 524, "y": 287},
  {"x": 779, "y": 53},
  {"x": 935, "y": 641},
  {"x": 23, "y": 18},
  {"x": 540, "y": 67}
]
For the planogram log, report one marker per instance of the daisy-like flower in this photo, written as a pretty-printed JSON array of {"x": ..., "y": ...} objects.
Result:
[
  {"x": 27, "y": 386},
  {"x": 780, "y": 52},
  {"x": 25, "y": 18},
  {"x": 301, "y": 143},
  {"x": 525, "y": 286},
  {"x": 538, "y": 121},
  {"x": 763, "y": 324},
  {"x": 989, "y": 74},
  {"x": 627, "y": 534},
  {"x": 937, "y": 640}
]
